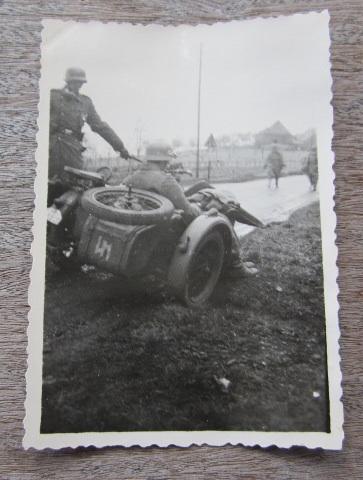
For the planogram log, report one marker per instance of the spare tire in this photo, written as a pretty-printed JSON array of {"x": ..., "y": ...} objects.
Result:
[{"x": 117, "y": 204}]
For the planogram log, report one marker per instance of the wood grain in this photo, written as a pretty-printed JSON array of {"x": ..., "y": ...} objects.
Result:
[{"x": 19, "y": 60}]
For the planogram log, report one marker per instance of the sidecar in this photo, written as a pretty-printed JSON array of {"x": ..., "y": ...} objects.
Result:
[{"x": 132, "y": 233}]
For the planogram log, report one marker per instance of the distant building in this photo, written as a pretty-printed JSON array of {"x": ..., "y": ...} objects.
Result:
[{"x": 277, "y": 133}]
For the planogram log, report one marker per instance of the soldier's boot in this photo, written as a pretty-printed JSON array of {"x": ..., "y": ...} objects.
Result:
[
  {"x": 241, "y": 270},
  {"x": 238, "y": 268}
]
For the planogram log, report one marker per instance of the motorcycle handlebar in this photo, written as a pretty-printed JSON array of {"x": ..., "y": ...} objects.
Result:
[{"x": 173, "y": 171}]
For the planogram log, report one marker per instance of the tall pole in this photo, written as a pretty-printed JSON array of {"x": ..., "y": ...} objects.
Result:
[{"x": 198, "y": 127}]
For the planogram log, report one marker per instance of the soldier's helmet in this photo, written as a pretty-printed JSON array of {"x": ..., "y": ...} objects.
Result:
[
  {"x": 75, "y": 73},
  {"x": 159, "y": 152}
]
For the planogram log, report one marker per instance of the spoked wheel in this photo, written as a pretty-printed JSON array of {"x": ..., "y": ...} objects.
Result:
[
  {"x": 203, "y": 270},
  {"x": 128, "y": 206}
]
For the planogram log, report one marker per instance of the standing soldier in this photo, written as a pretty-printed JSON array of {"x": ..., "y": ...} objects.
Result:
[
  {"x": 69, "y": 111},
  {"x": 311, "y": 168},
  {"x": 274, "y": 164}
]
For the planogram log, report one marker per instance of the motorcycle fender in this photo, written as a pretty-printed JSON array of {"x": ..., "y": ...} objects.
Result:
[{"x": 189, "y": 242}]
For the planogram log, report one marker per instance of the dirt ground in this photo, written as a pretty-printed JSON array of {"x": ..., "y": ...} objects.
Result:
[{"x": 120, "y": 360}]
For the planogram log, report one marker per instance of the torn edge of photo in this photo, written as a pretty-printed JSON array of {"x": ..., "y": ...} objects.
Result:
[{"x": 184, "y": 280}]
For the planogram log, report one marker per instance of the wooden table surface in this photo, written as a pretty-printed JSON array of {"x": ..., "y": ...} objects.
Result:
[{"x": 19, "y": 60}]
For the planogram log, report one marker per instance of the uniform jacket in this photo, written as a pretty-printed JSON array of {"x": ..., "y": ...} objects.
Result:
[
  {"x": 274, "y": 161},
  {"x": 69, "y": 111},
  {"x": 311, "y": 164},
  {"x": 152, "y": 179}
]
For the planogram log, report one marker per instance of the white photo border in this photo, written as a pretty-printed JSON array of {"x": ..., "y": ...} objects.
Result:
[{"x": 34, "y": 439}]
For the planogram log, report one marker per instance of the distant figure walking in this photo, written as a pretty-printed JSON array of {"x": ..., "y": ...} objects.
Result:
[
  {"x": 274, "y": 164},
  {"x": 311, "y": 168}
]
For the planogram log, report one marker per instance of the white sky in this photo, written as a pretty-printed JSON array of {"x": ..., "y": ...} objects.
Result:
[{"x": 254, "y": 73}]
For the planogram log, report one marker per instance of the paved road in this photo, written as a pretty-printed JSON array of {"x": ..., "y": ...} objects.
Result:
[{"x": 270, "y": 205}]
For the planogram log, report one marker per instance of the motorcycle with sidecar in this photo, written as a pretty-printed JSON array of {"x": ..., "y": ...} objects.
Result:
[{"x": 132, "y": 233}]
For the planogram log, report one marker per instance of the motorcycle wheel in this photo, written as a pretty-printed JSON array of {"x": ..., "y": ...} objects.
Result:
[
  {"x": 140, "y": 208},
  {"x": 202, "y": 270}
]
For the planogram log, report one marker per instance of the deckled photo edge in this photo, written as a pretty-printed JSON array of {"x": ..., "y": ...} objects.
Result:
[
  {"x": 37, "y": 274},
  {"x": 33, "y": 438}
]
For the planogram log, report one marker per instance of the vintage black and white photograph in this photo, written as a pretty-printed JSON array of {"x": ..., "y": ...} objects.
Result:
[{"x": 183, "y": 287}]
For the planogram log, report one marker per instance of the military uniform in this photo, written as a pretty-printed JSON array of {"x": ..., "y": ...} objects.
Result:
[
  {"x": 311, "y": 168},
  {"x": 274, "y": 164},
  {"x": 68, "y": 113},
  {"x": 151, "y": 178}
]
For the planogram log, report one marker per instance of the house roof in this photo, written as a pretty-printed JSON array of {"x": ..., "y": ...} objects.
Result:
[{"x": 276, "y": 129}]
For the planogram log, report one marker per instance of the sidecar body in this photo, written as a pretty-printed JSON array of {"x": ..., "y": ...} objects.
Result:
[{"x": 138, "y": 232}]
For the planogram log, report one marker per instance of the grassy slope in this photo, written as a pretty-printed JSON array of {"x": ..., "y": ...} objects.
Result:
[{"x": 117, "y": 361}]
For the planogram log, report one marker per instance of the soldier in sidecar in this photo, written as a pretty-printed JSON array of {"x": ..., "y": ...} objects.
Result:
[{"x": 152, "y": 176}]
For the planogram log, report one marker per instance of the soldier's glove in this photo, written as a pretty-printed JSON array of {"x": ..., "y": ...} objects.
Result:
[{"x": 124, "y": 153}]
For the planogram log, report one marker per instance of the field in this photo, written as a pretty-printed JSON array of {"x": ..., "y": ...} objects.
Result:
[{"x": 119, "y": 359}]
